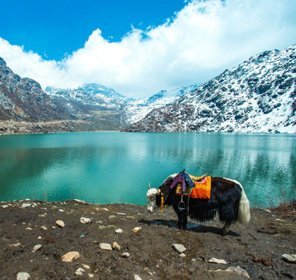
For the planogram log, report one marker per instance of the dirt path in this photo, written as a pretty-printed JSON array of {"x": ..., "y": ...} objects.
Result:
[{"x": 256, "y": 248}]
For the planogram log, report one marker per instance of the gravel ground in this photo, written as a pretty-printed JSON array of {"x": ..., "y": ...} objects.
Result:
[{"x": 144, "y": 248}]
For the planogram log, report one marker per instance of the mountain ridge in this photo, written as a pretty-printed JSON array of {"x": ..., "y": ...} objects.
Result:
[{"x": 258, "y": 95}]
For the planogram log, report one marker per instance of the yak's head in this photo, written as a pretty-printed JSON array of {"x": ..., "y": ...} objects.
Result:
[
  {"x": 153, "y": 197},
  {"x": 161, "y": 196}
]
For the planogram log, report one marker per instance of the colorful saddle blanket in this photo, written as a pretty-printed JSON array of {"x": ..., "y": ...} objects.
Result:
[{"x": 201, "y": 189}]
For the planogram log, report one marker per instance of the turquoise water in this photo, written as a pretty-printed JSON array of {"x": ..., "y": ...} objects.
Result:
[{"x": 114, "y": 167}]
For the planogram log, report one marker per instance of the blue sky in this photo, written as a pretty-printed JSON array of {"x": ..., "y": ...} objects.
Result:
[
  {"x": 138, "y": 47},
  {"x": 54, "y": 28}
]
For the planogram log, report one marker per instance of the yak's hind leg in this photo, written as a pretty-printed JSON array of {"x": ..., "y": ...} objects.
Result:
[
  {"x": 228, "y": 195},
  {"x": 225, "y": 229}
]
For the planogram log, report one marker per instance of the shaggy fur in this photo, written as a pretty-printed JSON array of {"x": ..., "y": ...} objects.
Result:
[{"x": 228, "y": 200}]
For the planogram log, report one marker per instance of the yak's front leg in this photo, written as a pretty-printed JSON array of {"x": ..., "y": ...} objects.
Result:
[
  {"x": 182, "y": 215},
  {"x": 182, "y": 220}
]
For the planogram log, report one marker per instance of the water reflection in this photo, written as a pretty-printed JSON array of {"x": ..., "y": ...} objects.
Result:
[{"x": 117, "y": 167}]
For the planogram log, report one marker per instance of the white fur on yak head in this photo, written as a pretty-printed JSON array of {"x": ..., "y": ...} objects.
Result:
[{"x": 151, "y": 196}]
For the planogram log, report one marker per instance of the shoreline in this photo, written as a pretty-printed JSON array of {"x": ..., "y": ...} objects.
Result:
[{"x": 10, "y": 127}]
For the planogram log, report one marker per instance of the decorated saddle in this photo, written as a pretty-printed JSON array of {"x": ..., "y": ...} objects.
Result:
[{"x": 197, "y": 187}]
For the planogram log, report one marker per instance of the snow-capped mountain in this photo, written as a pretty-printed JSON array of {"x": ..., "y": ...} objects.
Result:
[
  {"x": 259, "y": 95},
  {"x": 93, "y": 95},
  {"x": 94, "y": 102},
  {"x": 98, "y": 97},
  {"x": 137, "y": 109}
]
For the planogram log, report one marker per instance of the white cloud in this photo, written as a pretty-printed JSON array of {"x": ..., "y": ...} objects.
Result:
[{"x": 202, "y": 39}]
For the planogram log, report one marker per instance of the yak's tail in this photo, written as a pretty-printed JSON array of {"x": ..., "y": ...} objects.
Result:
[{"x": 244, "y": 214}]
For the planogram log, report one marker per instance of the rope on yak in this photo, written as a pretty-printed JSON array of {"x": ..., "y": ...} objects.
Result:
[{"x": 181, "y": 204}]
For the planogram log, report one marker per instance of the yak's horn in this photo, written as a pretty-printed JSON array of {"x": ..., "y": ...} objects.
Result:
[{"x": 149, "y": 187}]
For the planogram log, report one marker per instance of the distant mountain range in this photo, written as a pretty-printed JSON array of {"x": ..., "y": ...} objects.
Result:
[{"x": 259, "y": 95}]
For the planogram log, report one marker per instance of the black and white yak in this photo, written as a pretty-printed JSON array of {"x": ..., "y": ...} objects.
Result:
[{"x": 227, "y": 198}]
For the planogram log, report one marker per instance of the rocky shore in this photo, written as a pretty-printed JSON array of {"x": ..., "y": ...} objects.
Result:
[
  {"x": 22, "y": 127},
  {"x": 76, "y": 240}
]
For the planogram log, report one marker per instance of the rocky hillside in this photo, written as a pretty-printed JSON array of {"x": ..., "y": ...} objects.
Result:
[
  {"x": 25, "y": 107},
  {"x": 259, "y": 95},
  {"x": 22, "y": 99}
]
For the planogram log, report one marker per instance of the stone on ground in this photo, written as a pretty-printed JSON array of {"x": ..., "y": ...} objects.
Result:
[
  {"x": 179, "y": 248},
  {"x": 36, "y": 248},
  {"x": 84, "y": 220},
  {"x": 121, "y": 214},
  {"x": 60, "y": 223},
  {"x": 86, "y": 266},
  {"x": 218, "y": 261},
  {"x": 106, "y": 246},
  {"x": 23, "y": 276},
  {"x": 116, "y": 246},
  {"x": 15, "y": 244},
  {"x": 125, "y": 255},
  {"x": 137, "y": 229},
  {"x": 291, "y": 258},
  {"x": 70, "y": 256},
  {"x": 79, "y": 271},
  {"x": 238, "y": 270},
  {"x": 119, "y": 230},
  {"x": 26, "y": 205}
]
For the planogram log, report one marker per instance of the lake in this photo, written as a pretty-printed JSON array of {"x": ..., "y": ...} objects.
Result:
[{"x": 114, "y": 167}]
